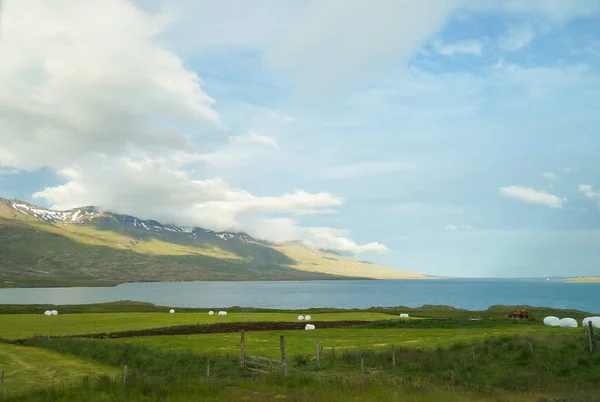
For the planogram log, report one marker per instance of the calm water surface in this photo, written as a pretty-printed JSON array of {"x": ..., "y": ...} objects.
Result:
[{"x": 471, "y": 294}]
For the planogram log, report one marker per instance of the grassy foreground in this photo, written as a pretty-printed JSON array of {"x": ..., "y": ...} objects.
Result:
[
  {"x": 440, "y": 354},
  {"x": 34, "y": 368}
]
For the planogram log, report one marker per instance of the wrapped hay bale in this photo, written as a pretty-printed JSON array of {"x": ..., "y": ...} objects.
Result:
[
  {"x": 552, "y": 321},
  {"x": 595, "y": 322},
  {"x": 567, "y": 323},
  {"x": 223, "y": 313},
  {"x": 47, "y": 312},
  {"x": 54, "y": 312},
  {"x": 300, "y": 318},
  {"x": 211, "y": 313},
  {"x": 308, "y": 318},
  {"x": 309, "y": 327},
  {"x": 403, "y": 315},
  {"x": 171, "y": 311}
]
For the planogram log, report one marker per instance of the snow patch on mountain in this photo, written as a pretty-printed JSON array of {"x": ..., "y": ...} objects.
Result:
[
  {"x": 86, "y": 214},
  {"x": 79, "y": 215}
]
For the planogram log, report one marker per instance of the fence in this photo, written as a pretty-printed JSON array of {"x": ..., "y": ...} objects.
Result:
[
  {"x": 266, "y": 365},
  {"x": 260, "y": 364}
]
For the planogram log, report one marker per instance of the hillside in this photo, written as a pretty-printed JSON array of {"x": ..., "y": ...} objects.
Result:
[{"x": 86, "y": 246}]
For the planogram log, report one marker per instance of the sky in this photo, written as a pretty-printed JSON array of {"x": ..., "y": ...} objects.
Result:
[{"x": 450, "y": 137}]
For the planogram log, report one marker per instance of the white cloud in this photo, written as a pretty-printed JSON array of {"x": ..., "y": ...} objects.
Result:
[
  {"x": 454, "y": 228},
  {"x": 152, "y": 190},
  {"x": 557, "y": 10},
  {"x": 532, "y": 196},
  {"x": 550, "y": 176},
  {"x": 287, "y": 229},
  {"x": 589, "y": 192},
  {"x": 517, "y": 38},
  {"x": 145, "y": 187},
  {"x": 281, "y": 116},
  {"x": 238, "y": 152},
  {"x": 470, "y": 47},
  {"x": 424, "y": 209},
  {"x": 254, "y": 137},
  {"x": 325, "y": 51},
  {"x": 362, "y": 169},
  {"x": 89, "y": 75},
  {"x": 333, "y": 240}
]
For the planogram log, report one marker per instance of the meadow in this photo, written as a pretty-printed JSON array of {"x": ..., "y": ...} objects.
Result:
[
  {"x": 34, "y": 368},
  {"x": 439, "y": 354},
  {"x": 266, "y": 343},
  {"x": 21, "y": 326}
]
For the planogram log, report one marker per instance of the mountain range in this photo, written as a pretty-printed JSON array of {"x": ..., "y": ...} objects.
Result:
[{"x": 90, "y": 247}]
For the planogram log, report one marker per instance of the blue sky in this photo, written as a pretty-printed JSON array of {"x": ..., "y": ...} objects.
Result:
[{"x": 452, "y": 138}]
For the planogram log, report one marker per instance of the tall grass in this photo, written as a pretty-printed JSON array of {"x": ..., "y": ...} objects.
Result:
[{"x": 494, "y": 365}]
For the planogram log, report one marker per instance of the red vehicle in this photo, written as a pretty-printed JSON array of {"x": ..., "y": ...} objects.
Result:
[{"x": 521, "y": 314}]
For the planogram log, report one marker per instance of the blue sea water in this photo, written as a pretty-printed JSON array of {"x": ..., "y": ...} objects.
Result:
[{"x": 472, "y": 294}]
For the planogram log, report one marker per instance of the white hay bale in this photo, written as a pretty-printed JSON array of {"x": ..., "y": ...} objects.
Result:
[
  {"x": 308, "y": 318},
  {"x": 171, "y": 311},
  {"x": 567, "y": 323},
  {"x": 309, "y": 327},
  {"x": 595, "y": 322},
  {"x": 222, "y": 312},
  {"x": 54, "y": 312},
  {"x": 300, "y": 318},
  {"x": 403, "y": 315},
  {"x": 47, "y": 312},
  {"x": 211, "y": 313},
  {"x": 551, "y": 321}
]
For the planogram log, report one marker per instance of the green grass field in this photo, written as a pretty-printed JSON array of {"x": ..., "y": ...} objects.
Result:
[
  {"x": 20, "y": 326},
  {"x": 266, "y": 343},
  {"x": 33, "y": 368},
  {"x": 441, "y": 355}
]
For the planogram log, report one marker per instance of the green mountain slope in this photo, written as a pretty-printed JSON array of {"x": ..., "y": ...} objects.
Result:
[{"x": 84, "y": 246}]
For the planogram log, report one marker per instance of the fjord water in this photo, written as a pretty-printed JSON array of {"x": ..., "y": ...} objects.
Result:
[{"x": 472, "y": 294}]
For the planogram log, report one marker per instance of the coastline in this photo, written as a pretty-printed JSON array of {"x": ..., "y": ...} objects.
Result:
[
  {"x": 584, "y": 279},
  {"x": 143, "y": 307},
  {"x": 37, "y": 284}
]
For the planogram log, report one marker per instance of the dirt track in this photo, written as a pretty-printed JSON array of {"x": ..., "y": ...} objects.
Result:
[{"x": 222, "y": 328}]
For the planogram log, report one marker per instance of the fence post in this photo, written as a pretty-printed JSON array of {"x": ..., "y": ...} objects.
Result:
[
  {"x": 318, "y": 354},
  {"x": 124, "y": 374},
  {"x": 591, "y": 335},
  {"x": 362, "y": 370},
  {"x": 393, "y": 355},
  {"x": 2, "y": 385},
  {"x": 242, "y": 351},
  {"x": 208, "y": 371},
  {"x": 284, "y": 368}
]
